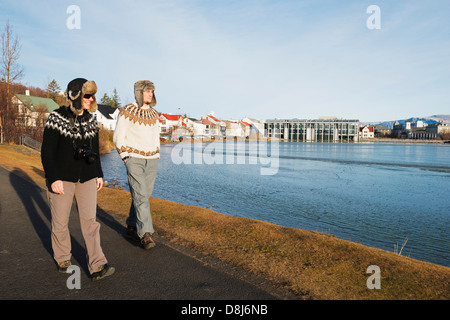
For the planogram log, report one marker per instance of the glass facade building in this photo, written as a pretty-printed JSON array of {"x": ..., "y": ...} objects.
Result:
[{"x": 321, "y": 130}]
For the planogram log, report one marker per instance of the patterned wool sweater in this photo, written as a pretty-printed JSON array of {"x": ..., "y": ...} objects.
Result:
[
  {"x": 137, "y": 132},
  {"x": 63, "y": 135}
]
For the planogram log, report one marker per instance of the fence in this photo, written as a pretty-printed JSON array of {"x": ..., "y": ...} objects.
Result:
[{"x": 30, "y": 142}]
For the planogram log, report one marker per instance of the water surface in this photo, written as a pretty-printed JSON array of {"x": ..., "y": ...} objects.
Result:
[{"x": 376, "y": 194}]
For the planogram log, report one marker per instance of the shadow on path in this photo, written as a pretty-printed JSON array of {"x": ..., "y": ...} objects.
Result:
[{"x": 38, "y": 210}]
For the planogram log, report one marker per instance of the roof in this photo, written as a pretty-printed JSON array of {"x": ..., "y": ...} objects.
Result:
[
  {"x": 106, "y": 110},
  {"x": 32, "y": 101},
  {"x": 214, "y": 118},
  {"x": 206, "y": 121},
  {"x": 370, "y": 129},
  {"x": 171, "y": 117},
  {"x": 381, "y": 127}
]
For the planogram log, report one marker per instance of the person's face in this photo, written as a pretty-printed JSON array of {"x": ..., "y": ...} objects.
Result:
[
  {"x": 148, "y": 96},
  {"x": 87, "y": 100}
]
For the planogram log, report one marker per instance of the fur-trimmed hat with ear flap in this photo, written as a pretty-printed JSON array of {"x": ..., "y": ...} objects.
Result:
[
  {"x": 76, "y": 89},
  {"x": 141, "y": 86}
]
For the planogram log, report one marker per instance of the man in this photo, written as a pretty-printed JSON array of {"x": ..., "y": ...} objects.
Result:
[{"x": 137, "y": 141}]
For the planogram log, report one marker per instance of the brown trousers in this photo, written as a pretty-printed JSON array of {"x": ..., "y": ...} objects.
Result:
[{"x": 60, "y": 205}]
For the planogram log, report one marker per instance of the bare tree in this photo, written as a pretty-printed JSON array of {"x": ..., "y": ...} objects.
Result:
[{"x": 10, "y": 72}]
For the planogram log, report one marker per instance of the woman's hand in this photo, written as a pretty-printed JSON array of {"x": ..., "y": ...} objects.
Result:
[
  {"x": 58, "y": 187},
  {"x": 99, "y": 183}
]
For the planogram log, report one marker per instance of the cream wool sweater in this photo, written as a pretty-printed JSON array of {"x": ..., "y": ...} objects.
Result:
[{"x": 137, "y": 132}]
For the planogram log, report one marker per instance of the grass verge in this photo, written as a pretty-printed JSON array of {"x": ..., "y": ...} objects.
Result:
[{"x": 309, "y": 264}]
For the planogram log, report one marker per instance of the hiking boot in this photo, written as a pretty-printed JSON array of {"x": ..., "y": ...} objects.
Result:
[
  {"x": 132, "y": 234},
  {"x": 62, "y": 266},
  {"x": 104, "y": 271},
  {"x": 147, "y": 241}
]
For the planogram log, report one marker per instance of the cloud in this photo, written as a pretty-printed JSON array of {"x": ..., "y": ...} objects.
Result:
[{"x": 262, "y": 59}]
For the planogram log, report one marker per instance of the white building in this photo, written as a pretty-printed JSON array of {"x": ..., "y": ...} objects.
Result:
[
  {"x": 366, "y": 132},
  {"x": 195, "y": 127},
  {"x": 256, "y": 126},
  {"x": 170, "y": 122},
  {"x": 213, "y": 126},
  {"x": 320, "y": 130},
  {"x": 32, "y": 111},
  {"x": 107, "y": 116}
]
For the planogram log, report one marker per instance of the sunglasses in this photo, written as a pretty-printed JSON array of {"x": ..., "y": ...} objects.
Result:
[{"x": 88, "y": 96}]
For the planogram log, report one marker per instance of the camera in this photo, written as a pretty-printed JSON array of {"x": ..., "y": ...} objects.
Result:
[{"x": 85, "y": 152}]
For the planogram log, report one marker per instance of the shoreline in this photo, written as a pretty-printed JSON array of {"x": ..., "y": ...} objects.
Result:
[
  {"x": 406, "y": 141},
  {"x": 374, "y": 140},
  {"x": 309, "y": 264},
  {"x": 111, "y": 147}
]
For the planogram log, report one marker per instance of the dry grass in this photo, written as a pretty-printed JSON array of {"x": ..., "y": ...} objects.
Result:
[{"x": 312, "y": 265}]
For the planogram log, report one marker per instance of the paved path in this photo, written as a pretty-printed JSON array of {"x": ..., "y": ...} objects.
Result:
[{"x": 167, "y": 272}]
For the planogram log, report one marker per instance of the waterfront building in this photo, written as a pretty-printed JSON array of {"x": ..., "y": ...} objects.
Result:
[
  {"x": 330, "y": 129},
  {"x": 366, "y": 132},
  {"x": 382, "y": 131},
  {"x": 214, "y": 126},
  {"x": 256, "y": 127},
  {"x": 420, "y": 130},
  {"x": 172, "y": 126},
  {"x": 438, "y": 129}
]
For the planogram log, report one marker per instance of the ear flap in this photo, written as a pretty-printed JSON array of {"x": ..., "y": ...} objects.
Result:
[
  {"x": 139, "y": 98},
  {"x": 153, "y": 103},
  {"x": 90, "y": 87}
]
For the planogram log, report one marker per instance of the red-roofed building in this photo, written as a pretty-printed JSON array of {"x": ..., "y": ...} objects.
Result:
[
  {"x": 212, "y": 118},
  {"x": 366, "y": 132},
  {"x": 213, "y": 126},
  {"x": 172, "y": 124},
  {"x": 256, "y": 127}
]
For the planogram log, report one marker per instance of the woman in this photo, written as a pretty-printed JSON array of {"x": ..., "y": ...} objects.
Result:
[{"x": 70, "y": 157}]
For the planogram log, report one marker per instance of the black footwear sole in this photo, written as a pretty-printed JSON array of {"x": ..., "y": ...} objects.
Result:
[
  {"x": 147, "y": 242},
  {"x": 62, "y": 269},
  {"x": 131, "y": 234},
  {"x": 106, "y": 271},
  {"x": 148, "y": 246},
  {"x": 132, "y": 237}
]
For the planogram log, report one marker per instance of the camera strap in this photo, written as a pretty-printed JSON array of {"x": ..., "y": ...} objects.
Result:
[{"x": 74, "y": 131}]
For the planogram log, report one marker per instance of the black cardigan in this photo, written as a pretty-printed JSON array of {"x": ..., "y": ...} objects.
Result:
[{"x": 63, "y": 134}]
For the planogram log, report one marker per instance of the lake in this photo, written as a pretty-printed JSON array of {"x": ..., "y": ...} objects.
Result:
[{"x": 378, "y": 194}]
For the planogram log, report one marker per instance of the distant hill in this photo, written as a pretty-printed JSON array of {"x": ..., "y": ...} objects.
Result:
[
  {"x": 441, "y": 117},
  {"x": 429, "y": 120}
]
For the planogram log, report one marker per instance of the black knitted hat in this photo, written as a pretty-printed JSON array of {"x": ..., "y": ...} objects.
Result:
[{"x": 76, "y": 89}]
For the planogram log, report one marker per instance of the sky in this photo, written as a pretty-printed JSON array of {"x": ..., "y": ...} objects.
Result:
[{"x": 248, "y": 58}]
